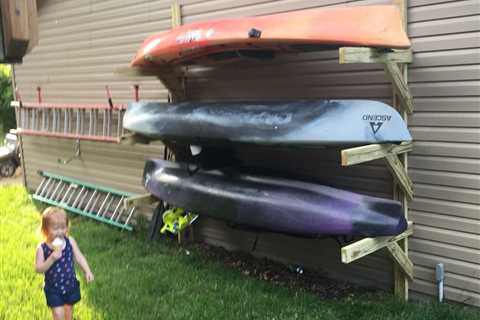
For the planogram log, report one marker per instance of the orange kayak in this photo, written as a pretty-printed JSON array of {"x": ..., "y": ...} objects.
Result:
[{"x": 262, "y": 37}]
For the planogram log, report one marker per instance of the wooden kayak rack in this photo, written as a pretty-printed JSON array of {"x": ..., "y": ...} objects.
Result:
[{"x": 395, "y": 66}]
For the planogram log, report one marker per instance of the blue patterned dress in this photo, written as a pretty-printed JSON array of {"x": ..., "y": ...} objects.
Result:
[{"x": 60, "y": 278}]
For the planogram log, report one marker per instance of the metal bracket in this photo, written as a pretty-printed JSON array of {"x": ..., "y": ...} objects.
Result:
[{"x": 77, "y": 154}]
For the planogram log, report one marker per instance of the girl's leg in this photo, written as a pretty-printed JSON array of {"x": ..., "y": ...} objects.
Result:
[
  {"x": 68, "y": 311},
  {"x": 58, "y": 313}
]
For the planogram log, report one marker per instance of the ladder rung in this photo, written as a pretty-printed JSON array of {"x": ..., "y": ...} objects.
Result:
[
  {"x": 103, "y": 204},
  {"x": 129, "y": 215},
  {"x": 53, "y": 189},
  {"x": 83, "y": 198},
  {"x": 74, "y": 187},
  {"x": 75, "y": 201},
  {"x": 65, "y": 195},
  {"x": 40, "y": 185},
  {"x": 108, "y": 206},
  {"x": 120, "y": 201},
  {"x": 119, "y": 123},
  {"x": 90, "y": 200},
  {"x": 78, "y": 122},
  {"x": 45, "y": 188},
  {"x": 94, "y": 204}
]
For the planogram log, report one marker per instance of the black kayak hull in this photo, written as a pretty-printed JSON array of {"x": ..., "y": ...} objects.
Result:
[
  {"x": 273, "y": 204},
  {"x": 298, "y": 123}
]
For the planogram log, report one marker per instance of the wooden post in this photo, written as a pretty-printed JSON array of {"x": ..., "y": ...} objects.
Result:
[
  {"x": 400, "y": 279},
  {"x": 172, "y": 77},
  {"x": 176, "y": 14}
]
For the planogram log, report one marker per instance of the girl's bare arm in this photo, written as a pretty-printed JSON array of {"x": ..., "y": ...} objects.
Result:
[
  {"x": 42, "y": 265},
  {"x": 81, "y": 260}
]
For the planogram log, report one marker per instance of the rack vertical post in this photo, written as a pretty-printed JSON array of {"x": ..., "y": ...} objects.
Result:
[{"x": 401, "y": 281}]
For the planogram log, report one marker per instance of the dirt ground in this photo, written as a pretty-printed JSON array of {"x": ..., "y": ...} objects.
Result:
[{"x": 17, "y": 178}]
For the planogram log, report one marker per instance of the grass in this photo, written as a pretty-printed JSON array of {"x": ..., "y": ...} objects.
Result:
[{"x": 135, "y": 279}]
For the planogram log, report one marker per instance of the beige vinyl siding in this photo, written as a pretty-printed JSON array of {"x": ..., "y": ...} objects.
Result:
[
  {"x": 444, "y": 164},
  {"x": 81, "y": 43},
  {"x": 107, "y": 164}
]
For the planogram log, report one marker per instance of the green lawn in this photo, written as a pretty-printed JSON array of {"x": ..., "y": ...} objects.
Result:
[{"x": 135, "y": 279}]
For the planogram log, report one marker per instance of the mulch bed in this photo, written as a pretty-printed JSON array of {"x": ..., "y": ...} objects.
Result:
[{"x": 294, "y": 276}]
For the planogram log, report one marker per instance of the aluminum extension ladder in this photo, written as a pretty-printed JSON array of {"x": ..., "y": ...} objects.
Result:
[
  {"x": 89, "y": 200},
  {"x": 97, "y": 122}
]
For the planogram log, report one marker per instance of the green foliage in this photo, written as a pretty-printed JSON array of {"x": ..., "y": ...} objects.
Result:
[
  {"x": 7, "y": 114},
  {"x": 138, "y": 279}
]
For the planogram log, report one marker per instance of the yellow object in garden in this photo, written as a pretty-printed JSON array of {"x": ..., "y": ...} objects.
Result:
[
  {"x": 5, "y": 70},
  {"x": 175, "y": 220}
]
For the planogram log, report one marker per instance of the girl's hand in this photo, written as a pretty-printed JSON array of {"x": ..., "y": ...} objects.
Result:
[
  {"x": 89, "y": 277},
  {"x": 56, "y": 254}
]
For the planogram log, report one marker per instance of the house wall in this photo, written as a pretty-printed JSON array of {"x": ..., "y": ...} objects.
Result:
[{"x": 80, "y": 44}]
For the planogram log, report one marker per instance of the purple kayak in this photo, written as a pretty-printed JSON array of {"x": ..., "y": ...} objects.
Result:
[{"x": 273, "y": 204}]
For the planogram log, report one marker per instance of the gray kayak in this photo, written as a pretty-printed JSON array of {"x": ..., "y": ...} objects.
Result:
[
  {"x": 271, "y": 203},
  {"x": 297, "y": 123}
]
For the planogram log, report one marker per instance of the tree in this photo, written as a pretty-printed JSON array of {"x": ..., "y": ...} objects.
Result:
[{"x": 7, "y": 114}]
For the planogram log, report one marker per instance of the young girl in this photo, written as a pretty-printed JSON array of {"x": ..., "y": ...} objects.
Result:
[{"x": 55, "y": 258}]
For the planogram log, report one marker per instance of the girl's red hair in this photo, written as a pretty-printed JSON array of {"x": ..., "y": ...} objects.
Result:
[{"x": 50, "y": 214}]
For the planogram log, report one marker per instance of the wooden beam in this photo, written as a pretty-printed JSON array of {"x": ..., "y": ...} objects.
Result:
[
  {"x": 401, "y": 88},
  {"x": 403, "y": 261},
  {"x": 139, "y": 72},
  {"x": 400, "y": 174},
  {"x": 15, "y": 29},
  {"x": 132, "y": 138},
  {"x": 367, "y": 246},
  {"x": 143, "y": 199},
  {"x": 372, "y": 152},
  {"x": 171, "y": 77},
  {"x": 373, "y": 55},
  {"x": 32, "y": 24}
]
